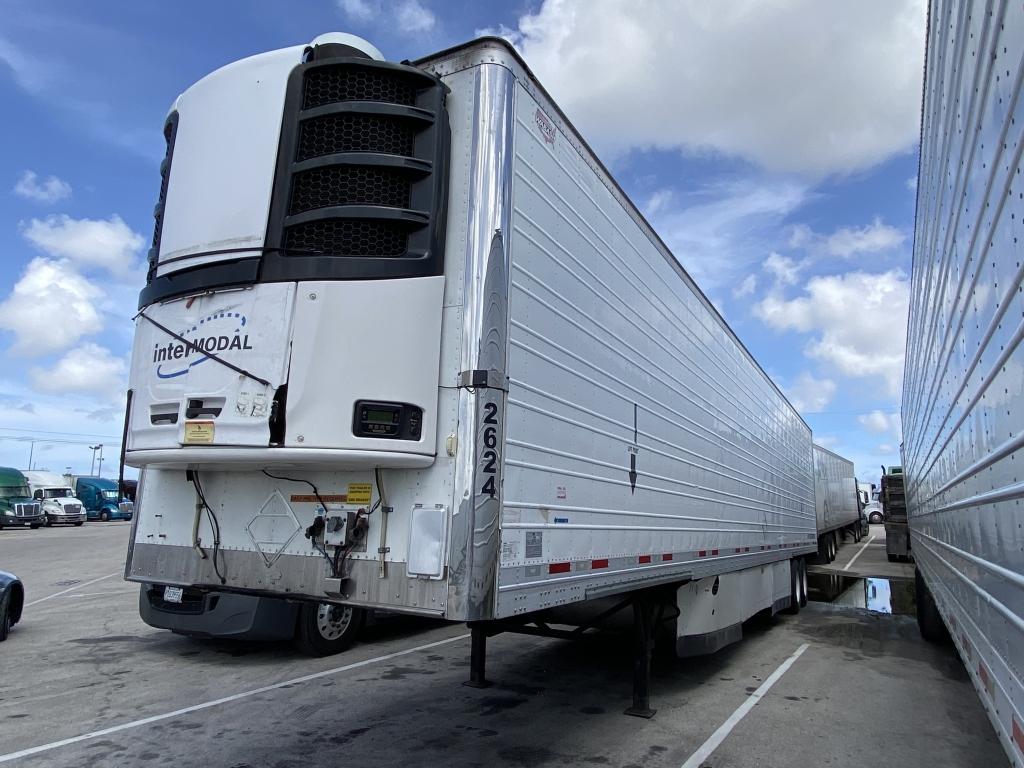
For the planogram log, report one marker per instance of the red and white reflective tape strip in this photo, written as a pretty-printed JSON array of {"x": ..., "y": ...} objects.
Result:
[
  {"x": 1018, "y": 735},
  {"x": 667, "y": 557}
]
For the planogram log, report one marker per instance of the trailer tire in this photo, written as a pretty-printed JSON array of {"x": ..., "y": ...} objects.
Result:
[
  {"x": 833, "y": 547},
  {"x": 794, "y": 587},
  {"x": 803, "y": 582},
  {"x": 929, "y": 620},
  {"x": 319, "y": 633}
]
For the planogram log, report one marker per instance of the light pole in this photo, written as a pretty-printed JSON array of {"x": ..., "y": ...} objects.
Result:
[
  {"x": 99, "y": 466},
  {"x": 94, "y": 448}
]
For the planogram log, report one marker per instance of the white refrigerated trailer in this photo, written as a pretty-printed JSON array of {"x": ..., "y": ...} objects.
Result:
[
  {"x": 963, "y": 401},
  {"x": 406, "y": 344},
  {"x": 836, "y": 502}
]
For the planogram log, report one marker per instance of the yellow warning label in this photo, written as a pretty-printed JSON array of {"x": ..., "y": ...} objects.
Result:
[
  {"x": 198, "y": 432},
  {"x": 359, "y": 493}
]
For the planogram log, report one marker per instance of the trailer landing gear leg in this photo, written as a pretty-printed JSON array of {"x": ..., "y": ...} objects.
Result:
[
  {"x": 477, "y": 658},
  {"x": 643, "y": 640}
]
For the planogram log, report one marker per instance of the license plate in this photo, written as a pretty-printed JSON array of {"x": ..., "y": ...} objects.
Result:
[{"x": 173, "y": 594}]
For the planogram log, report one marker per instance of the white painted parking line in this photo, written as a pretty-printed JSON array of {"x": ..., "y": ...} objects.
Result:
[
  {"x": 227, "y": 699},
  {"x": 709, "y": 746},
  {"x": 859, "y": 553},
  {"x": 95, "y": 594},
  {"x": 72, "y": 589}
]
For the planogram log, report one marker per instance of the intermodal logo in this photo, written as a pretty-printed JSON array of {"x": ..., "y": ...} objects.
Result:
[{"x": 208, "y": 335}]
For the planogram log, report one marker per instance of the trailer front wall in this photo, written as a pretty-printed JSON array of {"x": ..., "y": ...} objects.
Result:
[
  {"x": 643, "y": 442},
  {"x": 835, "y": 490},
  {"x": 963, "y": 400}
]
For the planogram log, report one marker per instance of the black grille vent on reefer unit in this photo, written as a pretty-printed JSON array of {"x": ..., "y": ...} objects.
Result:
[
  {"x": 361, "y": 182},
  {"x": 170, "y": 131}
]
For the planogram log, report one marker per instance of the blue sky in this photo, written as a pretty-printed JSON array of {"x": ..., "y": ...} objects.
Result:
[{"x": 772, "y": 144}]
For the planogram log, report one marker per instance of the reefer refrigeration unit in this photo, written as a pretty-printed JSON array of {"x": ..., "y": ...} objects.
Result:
[
  {"x": 405, "y": 343},
  {"x": 963, "y": 391},
  {"x": 836, "y": 504}
]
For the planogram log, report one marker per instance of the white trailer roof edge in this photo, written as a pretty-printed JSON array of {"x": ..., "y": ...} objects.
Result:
[{"x": 498, "y": 50}]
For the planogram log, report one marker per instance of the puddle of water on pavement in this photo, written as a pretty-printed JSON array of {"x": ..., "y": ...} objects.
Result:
[{"x": 878, "y": 595}]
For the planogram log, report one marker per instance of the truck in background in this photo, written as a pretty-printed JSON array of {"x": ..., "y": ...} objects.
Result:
[
  {"x": 17, "y": 507},
  {"x": 894, "y": 514},
  {"x": 836, "y": 502},
  {"x": 56, "y": 496},
  {"x": 501, "y": 453},
  {"x": 100, "y": 497},
  {"x": 963, "y": 403}
]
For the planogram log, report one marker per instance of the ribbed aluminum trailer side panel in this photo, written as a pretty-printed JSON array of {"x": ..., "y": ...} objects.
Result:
[
  {"x": 642, "y": 441},
  {"x": 963, "y": 400},
  {"x": 835, "y": 491}
]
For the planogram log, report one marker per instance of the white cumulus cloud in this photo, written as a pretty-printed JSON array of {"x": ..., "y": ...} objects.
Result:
[
  {"x": 879, "y": 422},
  {"x": 89, "y": 368},
  {"x": 785, "y": 270},
  {"x": 49, "y": 190},
  {"x": 50, "y": 308},
  {"x": 792, "y": 85},
  {"x": 412, "y": 17},
  {"x": 107, "y": 243},
  {"x": 745, "y": 288},
  {"x": 809, "y": 395},
  {"x": 855, "y": 321},
  {"x": 873, "y": 238},
  {"x": 358, "y": 10}
]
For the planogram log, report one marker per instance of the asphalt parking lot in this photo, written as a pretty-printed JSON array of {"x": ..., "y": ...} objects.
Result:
[{"x": 83, "y": 682}]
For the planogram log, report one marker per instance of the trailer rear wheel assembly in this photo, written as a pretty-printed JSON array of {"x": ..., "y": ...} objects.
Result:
[
  {"x": 929, "y": 620},
  {"x": 795, "y": 587}
]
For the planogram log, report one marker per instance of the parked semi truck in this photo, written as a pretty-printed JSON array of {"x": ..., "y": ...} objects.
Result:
[
  {"x": 963, "y": 403},
  {"x": 836, "y": 501},
  {"x": 56, "y": 497},
  {"x": 100, "y": 497},
  {"x": 405, "y": 344},
  {"x": 17, "y": 507}
]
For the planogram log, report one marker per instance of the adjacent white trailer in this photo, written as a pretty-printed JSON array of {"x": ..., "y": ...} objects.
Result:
[
  {"x": 406, "y": 344},
  {"x": 963, "y": 401},
  {"x": 836, "y": 502}
]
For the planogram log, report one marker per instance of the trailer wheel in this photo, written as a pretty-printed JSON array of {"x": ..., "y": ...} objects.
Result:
[
  {"x": 324, "y": 629},
  {"x": 803, "y": 582},
  {"x": 929, "y": 620},
  {"x": 794, "y": 587},
  {"x": 833, "y": 548}
]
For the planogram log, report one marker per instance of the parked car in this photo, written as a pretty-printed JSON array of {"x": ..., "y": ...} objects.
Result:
[
  {"x": 58, "y": 501},
  {"x": 16, "y": 504},
  {"x": 317, "y": 629},
  {"x": 100, "y": 498},
  {"x": 12, "y": 599}
]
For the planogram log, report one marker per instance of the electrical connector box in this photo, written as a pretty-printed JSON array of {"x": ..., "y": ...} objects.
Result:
[{"x": 336, "y": 530}]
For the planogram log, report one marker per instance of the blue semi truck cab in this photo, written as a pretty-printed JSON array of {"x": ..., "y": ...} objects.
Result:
[{"x": 101, "y": 499}]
